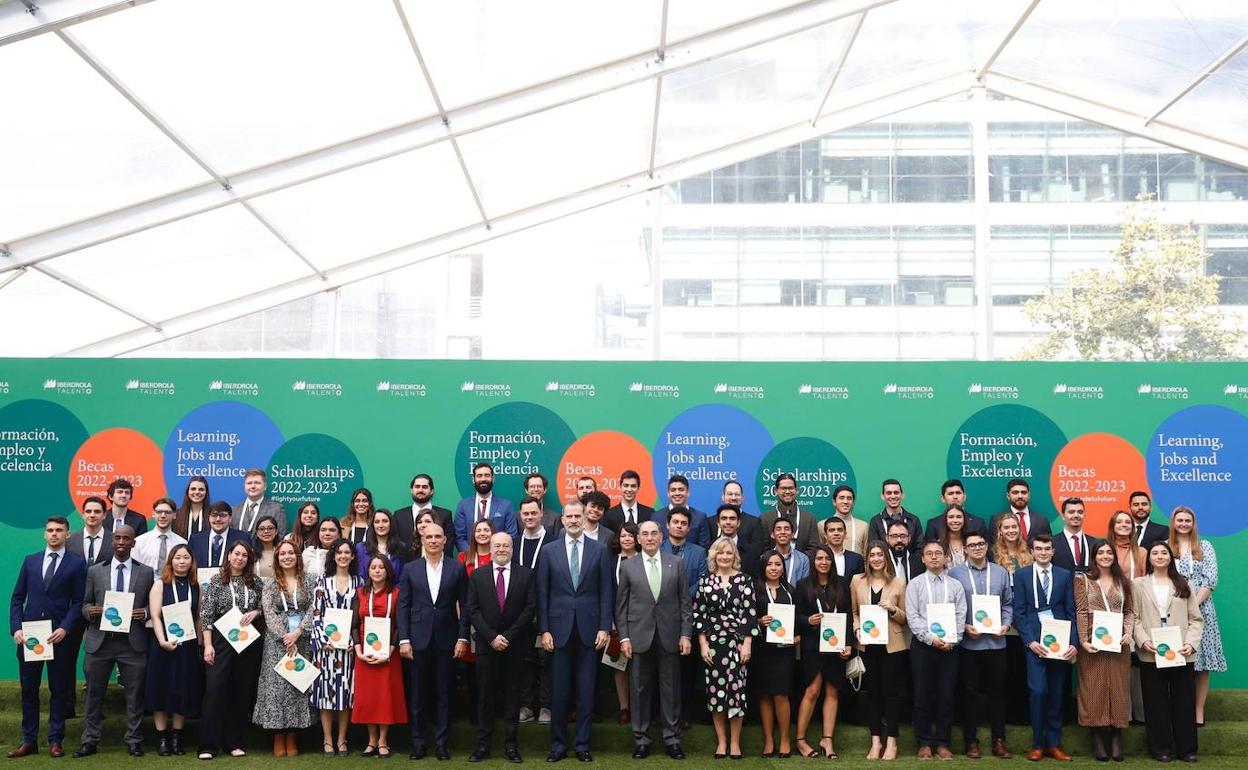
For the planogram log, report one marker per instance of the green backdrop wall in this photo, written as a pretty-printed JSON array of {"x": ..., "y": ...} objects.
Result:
[{"x": 324, "y": 427}]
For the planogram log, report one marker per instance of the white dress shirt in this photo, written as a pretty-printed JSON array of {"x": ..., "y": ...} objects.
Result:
[
  {"x": 433, "y": 573},
  {"x": 147, "y": 547},
  {"x": 60, "y": 559},
  {"x": 86, "y": 544}
]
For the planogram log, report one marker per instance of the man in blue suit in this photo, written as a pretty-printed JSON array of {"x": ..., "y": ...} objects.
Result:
[
  {"x": 575, "y": 609},
  {"x": 1043, "y": 591},
  {"x": 210, "y": 546},
  {"x": 678, "y": 497},
  {"x": 49, "y": 586},
  {"x": 483, "y": 505},
  {"x": 433, "y": 630}
]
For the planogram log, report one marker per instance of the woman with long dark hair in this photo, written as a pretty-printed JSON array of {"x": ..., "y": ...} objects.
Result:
[
  {"x": 820, "y": 593},
  {"x": 952, "y": 535},
  {"x": 359, "y": 515},
  {"x": 772, "y": 674},
  {"x": 192, "y": 514},
  {"x": 1104, "y": 676},
  {"x": 333, "y": 689},
  {"x": 379, "y": 701},
  {"x": 884, "y": 683},
  {"x": 175, "y": 668},
  {"x": 265, "y": 542},
  {"x": 380, "y": 540},
  {"x": 303, "y": 534},
  {"x": 1163, "y": 598}
]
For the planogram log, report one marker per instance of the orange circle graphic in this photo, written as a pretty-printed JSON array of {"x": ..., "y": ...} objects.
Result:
[{"x": 603, "y": 455}]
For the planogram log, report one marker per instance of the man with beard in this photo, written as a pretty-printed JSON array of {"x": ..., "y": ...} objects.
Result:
[
  {"x": 1030, "y": 524},
  {"x": 1147, "y": 531},
  {"x": 483, "y": 505},
  {"x": 422, "y": 500},
  {"x": 805, "y": 528},
  {"x": 678, "y": 497},
  {"x": 749, "y": 530},
  {"x": 953, "y": 493},
  {"x": 906, "y": 563}
]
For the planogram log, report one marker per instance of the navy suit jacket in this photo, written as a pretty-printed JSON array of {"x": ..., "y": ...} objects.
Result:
[
  {"x": 200, "y": 541},
  {"x": 134, "y": 520},
  {"x": 1061, "y": 602},
  {"x": 698, "y": 533},
  {"x": 424, "y": 622},
  {"x": 60, "y": 601},
  {"x": 1064, "y": 557},
  {"x": 590, "y": 606},
  {"x": 501, "y": 514},
  {"x": 854, "y": 565}
]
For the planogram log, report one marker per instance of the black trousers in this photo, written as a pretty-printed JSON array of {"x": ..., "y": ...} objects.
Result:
[
  {"x": 883, "y": 689},
  {"x": 935, "y": 684},
  {"x": 431, "y": 669},
  {"x": 498, "y": 675},
  {"x": 229, "y": 695},
  {"x": 1169, "y": 708},
  {"x": 981, "y": 669},
  {"x": 534, "y": 678},
  {"x": 1017, "y": 695}
]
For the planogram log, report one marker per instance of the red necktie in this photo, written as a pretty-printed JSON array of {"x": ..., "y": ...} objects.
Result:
[
  {"x": 1078, "y": 550},
  {"x": 500, "y": 588},
  {"x": 1022, "y": 524}
]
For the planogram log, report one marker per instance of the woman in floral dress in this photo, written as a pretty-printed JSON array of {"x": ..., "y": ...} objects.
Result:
[{"x": 724, "y": 621}]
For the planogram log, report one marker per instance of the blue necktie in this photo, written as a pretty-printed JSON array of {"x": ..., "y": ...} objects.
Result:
[
  {"x": 216, "y": 552},
  {"x": 574, "y": 563},
  {"x": 51, "y": 571},
  {"x": 121, "y": 577},
  {"x": 1044, "y": 585}
]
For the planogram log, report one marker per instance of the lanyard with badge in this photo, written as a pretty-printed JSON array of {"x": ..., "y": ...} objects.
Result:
[
  {"x": 537, "y": 550},
  {"x": 942, "y": 615},
  {"x": 292, "y": 620},
  {"x": 1163, "y": 608},
  {"x": 1047, "y": 612}
]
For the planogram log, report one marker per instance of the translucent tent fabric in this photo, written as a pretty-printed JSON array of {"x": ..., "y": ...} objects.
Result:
[{"x": 175, "y": 164}]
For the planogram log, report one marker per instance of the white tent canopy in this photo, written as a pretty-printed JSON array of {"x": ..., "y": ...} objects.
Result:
[{"x": 171, "y": 164}]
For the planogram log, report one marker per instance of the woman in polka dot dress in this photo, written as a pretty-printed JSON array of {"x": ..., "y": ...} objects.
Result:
[{"x": 723, "y": 619}]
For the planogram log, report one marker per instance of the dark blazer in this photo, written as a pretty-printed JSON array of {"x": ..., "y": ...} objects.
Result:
[
  {"x": 854, "y": 565},
  {"x": 1152, "y": 533},
  {"x": 1035, "y": 525},
  {"x": 590, "y": 606},
  {"x": 936, "y": 527},
  {"x": 60, "y": 601},
  {"x": 426, "y": 623},
  {"x": 915, "y": 560},
  {"x": 1064, "y": 557},
  {"x": 614, "y": 517},
  {"x": 808, "y": 534},
  {"x": 697, "y": 525},
  {"x": 750, "y": 533},
  {"x": 134, "y": 520},
  {"x": 103, "y": 548},
  {"x": 200, "y": 541},
  {"x": 805, "y": 608},
  {"x": 99, "y": 580},
  {"x": 501, "y": 514},
  {"x": 1061, "y": 602},
  {"x": 404, "y": 529},
  {"x": 515, "y": 620},
  {"x": 878, "y": 529}
]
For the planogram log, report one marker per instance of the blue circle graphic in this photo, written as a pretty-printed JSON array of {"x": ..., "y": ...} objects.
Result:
[
  {"x": 1199, "y": 458},
  {"x": 710, "y": 444},
  {"x": 220, "y": 441}
]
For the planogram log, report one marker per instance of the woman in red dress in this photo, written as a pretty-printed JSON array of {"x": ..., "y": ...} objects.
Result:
[{"x": 379, "y": 700}]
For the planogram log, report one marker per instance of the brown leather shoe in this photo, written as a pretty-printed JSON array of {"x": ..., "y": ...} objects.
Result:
[
  {"x": 1035, "y": 755},
  {"x": 56, "y": 750},
  {"x": 972, "y": 751},
  {"x": 279, "y": 745},
  {"x": 24, "y": 750},
  {"x": 925, "y": 752},
  {"x": 292, "y": 745},
  {"x": 1057, "y": 753},
  {"x": 999, "y": 750},
  {"x": 943, "y": 752}
]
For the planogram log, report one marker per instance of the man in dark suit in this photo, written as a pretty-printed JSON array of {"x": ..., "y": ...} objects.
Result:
[
  {"x": 120, "y": 493},
  {"x": 433, "y": 631},
  {"x": 1018, "y": 493},
  {"x": 422, "y": 500},
  {"x": 484, "y": 504},
  {"x": 106, "y": 649},
  {"x": 49, "y": 586},
  {"x": 805, "y": 527},
  {"x": 629, "y": 509},
  {"x": 678, "y": 497},
  {"x": 1147, "y": 532},
  {"x": 848, "y": 563},
  {"x": 92, "y": 542},
  {"x": 1043, "y": 590},
  {"x": 749, "y": 532},
  {"x": 210, "y": 546},
  {"x": 501, "y": 603},
  {"x": 893, "y": 495},
  {"x": 907, "y": 562},
  {"x": 953, "y": 493},
  {"x": 575, "y": 606},
  {"x": 727, "y": 523},
  {"x": 1073, "y": 548},
  {"x": 655, "y": 621},
  {"x": 255, "y": 506}
]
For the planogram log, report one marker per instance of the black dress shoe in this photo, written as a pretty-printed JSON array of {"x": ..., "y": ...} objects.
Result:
[
  {"x": 512, "y": 754},
  {"x": 584, "y": 756},
  {"x": 1189, "y": 757},
  {"x": 1164, "y": 757},
  {"x": 675, "y": 752},
  {"x": 418, "y": 753},
  {"x": 641, "y": 752},
  {"x": 479, "y": 754},
  {"x": 136, "y": 750},
  {"x": 85, "y": 750},
  {"x": 441, "y": 753},
  {"x": 557, "y": 756}
]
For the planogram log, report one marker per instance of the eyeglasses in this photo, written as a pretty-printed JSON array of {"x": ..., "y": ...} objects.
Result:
[
  {"x": 977, "y": 545},
  {"x": 266, "y": 529},
  {"x": 218, "y": 515},
  {"x": 162, "y": 510}
]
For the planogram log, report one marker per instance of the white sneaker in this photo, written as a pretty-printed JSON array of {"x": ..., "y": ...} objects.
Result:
[
  {"x": 526, "y": 714},
  {"x": 237, "y": 753},
  {"x": 543, "y": 717},
  {"x": 205, "y": 755}
]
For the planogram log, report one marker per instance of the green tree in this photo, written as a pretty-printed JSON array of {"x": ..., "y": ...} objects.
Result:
[{"x": 1152, "y": 303}]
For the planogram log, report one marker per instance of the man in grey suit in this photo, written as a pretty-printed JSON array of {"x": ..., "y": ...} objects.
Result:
[
  {"x": 105, "y": 649},
  {"x": 655, "y": 620},
  {"x": 255, "y": 505}
]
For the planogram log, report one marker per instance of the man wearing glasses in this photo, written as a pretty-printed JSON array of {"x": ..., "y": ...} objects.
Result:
[
  {"x": 209, "y": 547},
  {"x": 152, "y": 548}
]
